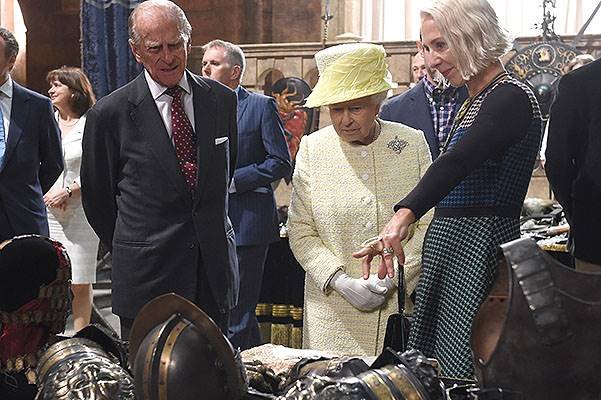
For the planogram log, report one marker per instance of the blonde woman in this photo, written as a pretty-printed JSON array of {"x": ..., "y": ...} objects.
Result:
[
  {"x": 478, "y": 183},
  {"x": 347, "y": 178}
]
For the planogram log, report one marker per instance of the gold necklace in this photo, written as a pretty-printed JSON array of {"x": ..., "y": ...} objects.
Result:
[{"x": 76, "y": 120}]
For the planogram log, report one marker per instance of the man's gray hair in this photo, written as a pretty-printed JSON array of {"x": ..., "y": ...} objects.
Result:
[
  {"x": 233, "y": 53},
  {"x": 171, "y": 9},
  {"x": 11, "y": 46}
]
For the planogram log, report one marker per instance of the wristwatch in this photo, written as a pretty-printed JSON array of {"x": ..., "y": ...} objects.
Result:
[{"x": 69, "y": 191}]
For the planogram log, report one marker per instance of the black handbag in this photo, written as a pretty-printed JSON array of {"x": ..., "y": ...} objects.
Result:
[{"x": 398, "y": 324}]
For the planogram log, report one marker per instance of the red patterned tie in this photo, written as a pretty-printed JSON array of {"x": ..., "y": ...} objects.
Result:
[{"x": 183, "y": 137}]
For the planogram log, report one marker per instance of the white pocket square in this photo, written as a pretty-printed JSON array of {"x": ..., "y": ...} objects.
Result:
[{"x": 220, "y": 140}]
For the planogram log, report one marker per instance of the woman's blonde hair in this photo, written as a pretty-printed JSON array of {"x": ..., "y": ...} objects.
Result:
[{"x": 472, "y": 32}]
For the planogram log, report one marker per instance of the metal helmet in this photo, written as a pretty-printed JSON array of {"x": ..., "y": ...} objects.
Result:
[{"x": 178, "y": 352}]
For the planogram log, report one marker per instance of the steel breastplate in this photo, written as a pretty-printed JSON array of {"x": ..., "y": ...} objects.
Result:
[{"x": 543, "y": 338}]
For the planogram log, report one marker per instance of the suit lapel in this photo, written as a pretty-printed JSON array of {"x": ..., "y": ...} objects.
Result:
[
  {"x": 242, "y": 102},
  {"x": 422, "y": 113},
  {"x": 18, "y": 118},
  {"x": 205, "y": 112},
  {"x": 144, "y": 113}
]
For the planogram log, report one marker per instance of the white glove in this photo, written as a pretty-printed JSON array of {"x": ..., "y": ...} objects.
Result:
[
  {"x": 386, "y": 283},
  {"x": 364, "y": 295}
]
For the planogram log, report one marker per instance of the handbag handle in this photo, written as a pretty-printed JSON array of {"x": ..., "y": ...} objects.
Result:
[{"x": 401, "y": 294}]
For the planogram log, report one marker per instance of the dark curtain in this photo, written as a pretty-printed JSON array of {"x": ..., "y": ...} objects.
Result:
[{"x": 106, "y": 57}]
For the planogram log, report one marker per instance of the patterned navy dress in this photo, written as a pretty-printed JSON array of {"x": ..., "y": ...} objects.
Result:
[{"x": 478, "y": 186}]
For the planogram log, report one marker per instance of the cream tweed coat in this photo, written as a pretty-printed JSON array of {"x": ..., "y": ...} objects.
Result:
[{"x": 343, "y": 194}]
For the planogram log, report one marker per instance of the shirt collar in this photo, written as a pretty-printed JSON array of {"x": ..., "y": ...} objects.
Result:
[
  {"x": 157, "y": 90},
  {"x": 7, "y": 88},
  {"x": 428, "y": 85},
  {"x": 433, "y": 89}
]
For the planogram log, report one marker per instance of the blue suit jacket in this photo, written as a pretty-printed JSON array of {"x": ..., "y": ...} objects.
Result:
[
  {"x": 262, "y": 159},
  {"x": 33, "y": 160},
  {"x": 411, "y": 108}
]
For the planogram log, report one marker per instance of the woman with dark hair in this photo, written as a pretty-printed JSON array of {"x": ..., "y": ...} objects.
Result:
[{"x": 71, "y": 94}]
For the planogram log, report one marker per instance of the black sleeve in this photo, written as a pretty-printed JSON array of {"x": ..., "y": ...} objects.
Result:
[
  {"x": 503, "y": 120},
  {"x": 566, "y": 130},
  {"x": 51, "y": 150},
  {"x": 99, "y": 171}
]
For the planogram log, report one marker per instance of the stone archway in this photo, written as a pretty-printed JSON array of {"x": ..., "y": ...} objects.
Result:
[{"x": 267, "y": 78}]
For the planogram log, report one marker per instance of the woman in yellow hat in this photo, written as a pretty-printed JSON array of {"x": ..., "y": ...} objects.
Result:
[{"x": 347, "y": 178}]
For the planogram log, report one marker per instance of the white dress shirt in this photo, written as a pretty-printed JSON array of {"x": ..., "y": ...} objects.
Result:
[
  {"x": 6, "y": 102},
  {"x": 163, "y": 100}
]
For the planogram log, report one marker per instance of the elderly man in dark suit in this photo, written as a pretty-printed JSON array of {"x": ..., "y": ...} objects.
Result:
[
  {"x": 574, "y": 160},
  {"x": 430, "y": 106},
  {"x": 31, "y": 157},
  {"x": 158, "y": 156},
  {"x": 262, "y": 159}
]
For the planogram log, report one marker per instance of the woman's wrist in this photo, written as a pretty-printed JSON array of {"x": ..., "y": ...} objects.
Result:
[{"x": 405, "y": 216}]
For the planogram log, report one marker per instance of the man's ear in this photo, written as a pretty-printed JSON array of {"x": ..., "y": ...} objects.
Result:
[
  {"x": 134, "y": 51},
  {"x": 236, "y": 72},
  {"x": 420, "y": 47},
  {"x": 11, "y": 62}
]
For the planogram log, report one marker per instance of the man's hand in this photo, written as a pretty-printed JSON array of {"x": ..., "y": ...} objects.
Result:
[
  {"x": 364, "y": 295},
  {"x": 388, "y": 246}
]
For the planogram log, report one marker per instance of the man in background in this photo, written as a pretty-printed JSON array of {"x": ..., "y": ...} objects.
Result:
[
  {"x": 263, "y": 158},
  {"x": 573, "y": 163},
  {"x": 158, "y": 155},
  {"x": 430, "y": 106},
  {"x": 31, "y": 156},
  {"x": 418, "y": 68}
]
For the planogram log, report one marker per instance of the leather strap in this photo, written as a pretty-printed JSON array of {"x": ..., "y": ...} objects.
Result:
[
  {"x": 401, "y": 295},
  {"x": 536, "y": 282}
]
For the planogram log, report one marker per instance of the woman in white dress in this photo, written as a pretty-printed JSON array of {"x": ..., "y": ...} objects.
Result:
[{"x": 72, "y": 95}]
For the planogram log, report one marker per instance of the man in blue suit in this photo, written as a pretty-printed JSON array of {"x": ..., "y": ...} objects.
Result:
[
  {"x": 429, "y": 106},
  {"x": 31, "y": 157},
  {"x": 263, "y": 158}
]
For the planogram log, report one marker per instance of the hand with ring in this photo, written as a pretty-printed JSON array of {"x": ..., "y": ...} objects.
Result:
[
  {"x": 387, "y": 245},
  {"x": 387, "y": 251},
  {"x": 372, "y": 243}
]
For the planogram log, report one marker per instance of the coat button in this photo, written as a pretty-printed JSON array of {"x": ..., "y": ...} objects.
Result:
[
  {"x": 365, "y": 177},
  {"x": 192, "y": 245}
]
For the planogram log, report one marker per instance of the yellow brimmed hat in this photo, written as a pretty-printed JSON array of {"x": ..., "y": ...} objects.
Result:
[{"x": 348, "y": 72}]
